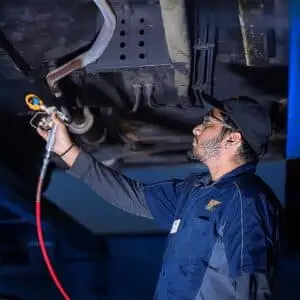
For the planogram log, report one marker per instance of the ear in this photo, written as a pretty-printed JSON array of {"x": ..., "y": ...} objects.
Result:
[{"x": 234, "y": 138}]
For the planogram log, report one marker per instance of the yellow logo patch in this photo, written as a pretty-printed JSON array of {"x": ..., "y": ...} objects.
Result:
[{"x": 211, "y": 205}]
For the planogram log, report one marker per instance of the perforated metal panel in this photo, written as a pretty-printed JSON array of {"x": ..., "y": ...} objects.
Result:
[{"x": 139, "y": 40}]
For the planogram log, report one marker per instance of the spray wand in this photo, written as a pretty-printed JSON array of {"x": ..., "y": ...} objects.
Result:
[{"x": 44, "y": 112}]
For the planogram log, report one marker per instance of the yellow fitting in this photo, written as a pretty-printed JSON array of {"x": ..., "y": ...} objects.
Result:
[{"x": 34, "y": 102}]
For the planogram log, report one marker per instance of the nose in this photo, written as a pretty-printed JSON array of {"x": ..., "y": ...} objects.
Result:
[{"x": 197, "y": 130}]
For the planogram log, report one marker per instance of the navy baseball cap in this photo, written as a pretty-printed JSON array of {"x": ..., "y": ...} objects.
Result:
[{"x": 250, "y": 117}]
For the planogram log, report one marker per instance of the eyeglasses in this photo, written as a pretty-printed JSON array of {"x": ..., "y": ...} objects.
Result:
[{"x": 207, "y": 119}]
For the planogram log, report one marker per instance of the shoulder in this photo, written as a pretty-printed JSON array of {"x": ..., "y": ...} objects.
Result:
[
  {"x": 255, "y": 194},
  {"x": 250, "y": 205},
  {"x": 254, "y": 209},
  {"x": 252, "y": 228}
]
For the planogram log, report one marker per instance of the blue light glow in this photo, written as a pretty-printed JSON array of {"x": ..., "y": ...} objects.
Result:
[{"x": 293, "y": 128}]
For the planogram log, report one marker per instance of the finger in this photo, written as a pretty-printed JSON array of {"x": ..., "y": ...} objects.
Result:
[
  {"x": 55, "y": 119},
  {"x": 50, "y": 124},
  {"x": 42, "y": 133},
  {"x": 44, "y": 120},
  {"x": 44, "y": 126}
]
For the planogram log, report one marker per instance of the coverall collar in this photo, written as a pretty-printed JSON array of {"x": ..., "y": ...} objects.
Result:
[{"x": 245, "y": 168}]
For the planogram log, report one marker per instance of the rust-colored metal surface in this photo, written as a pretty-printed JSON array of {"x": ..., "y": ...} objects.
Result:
[{"x": 66, "y": 69}]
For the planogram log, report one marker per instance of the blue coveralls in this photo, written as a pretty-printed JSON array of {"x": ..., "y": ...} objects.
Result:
[{"x": 224, "y": 235}]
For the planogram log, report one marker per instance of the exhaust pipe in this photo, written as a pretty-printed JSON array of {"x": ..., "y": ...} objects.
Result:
[{"x": 97, "y": 49}]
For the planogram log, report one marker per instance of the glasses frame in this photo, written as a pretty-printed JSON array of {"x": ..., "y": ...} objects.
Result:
[{"x": 209, "y": 116}]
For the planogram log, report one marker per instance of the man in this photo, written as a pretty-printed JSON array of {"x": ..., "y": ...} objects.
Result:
[{"x": 223, "y": 225}]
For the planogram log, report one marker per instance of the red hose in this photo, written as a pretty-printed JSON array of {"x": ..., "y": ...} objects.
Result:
[{"x": 42, "y": 243}]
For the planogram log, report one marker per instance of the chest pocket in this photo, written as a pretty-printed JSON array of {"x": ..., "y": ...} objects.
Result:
[
  {"x": 190, "y": 257},
  {"x": 195, "y": 239},
  {"x": 196, "y": 232}
]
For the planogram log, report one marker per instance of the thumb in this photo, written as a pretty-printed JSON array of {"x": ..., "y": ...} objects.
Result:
[{"x": 56, "y": 119}]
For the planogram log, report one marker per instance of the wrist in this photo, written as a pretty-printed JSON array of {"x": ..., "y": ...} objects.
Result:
[
  {"x": 68, "y": 149},
  {"x": 70, "y": 156}
]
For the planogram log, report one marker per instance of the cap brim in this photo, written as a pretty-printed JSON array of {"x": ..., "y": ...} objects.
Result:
[{"x": 211, "y": 102}]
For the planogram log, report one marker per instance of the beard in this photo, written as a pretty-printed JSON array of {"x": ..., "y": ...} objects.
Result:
[{"x": 207, "y": 150}]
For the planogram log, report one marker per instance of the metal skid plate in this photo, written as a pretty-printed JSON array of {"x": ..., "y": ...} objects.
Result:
[{"x": 138, "y": 41}]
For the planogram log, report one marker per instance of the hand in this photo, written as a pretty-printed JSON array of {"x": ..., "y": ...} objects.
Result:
[{"x": 62, "y": 138}]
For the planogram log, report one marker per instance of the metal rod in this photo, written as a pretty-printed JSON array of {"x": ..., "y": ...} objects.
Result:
[{"x": 95, "y": 51}]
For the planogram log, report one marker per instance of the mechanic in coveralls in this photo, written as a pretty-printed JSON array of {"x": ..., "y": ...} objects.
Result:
[{"x": 223, "y": 226}]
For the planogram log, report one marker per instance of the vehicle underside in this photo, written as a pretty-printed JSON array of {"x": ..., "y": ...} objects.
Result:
[{"x": 131, "y": 74}]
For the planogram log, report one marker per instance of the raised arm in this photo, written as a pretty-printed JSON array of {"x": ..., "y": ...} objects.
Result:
[{"x": 157, "y": 200}]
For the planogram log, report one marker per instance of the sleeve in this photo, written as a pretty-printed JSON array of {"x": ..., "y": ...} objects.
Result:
[
  {"x": 162, "y": 199},
  {"x": 149, "y": 201},
  {"x": 251, "y": 245}
]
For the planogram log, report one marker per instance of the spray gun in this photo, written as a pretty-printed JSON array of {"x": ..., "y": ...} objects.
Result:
[
  {"x": 43, "y": 112},
  {"x": 43, "y": 118}
]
